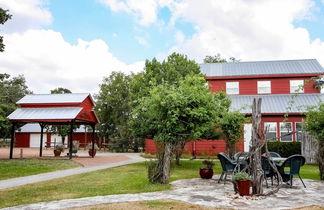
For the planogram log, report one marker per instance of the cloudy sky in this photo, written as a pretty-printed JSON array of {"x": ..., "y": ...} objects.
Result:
[{"x": 75, "y": 43}]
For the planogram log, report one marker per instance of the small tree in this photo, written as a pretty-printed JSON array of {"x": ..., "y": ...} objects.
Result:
[
  {"x": 315, "y": 125},
  {"x": 232, "y": 128},
  {"x": 175, "y": 113}
]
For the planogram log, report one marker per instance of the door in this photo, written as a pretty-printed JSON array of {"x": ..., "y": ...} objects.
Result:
[
  {"x": 34, "y": 140},
  {"x": 247, "y": 136}
]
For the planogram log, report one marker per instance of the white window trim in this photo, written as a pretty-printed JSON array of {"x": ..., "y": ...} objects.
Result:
[
  {"x": 291, "y": 131},
  {"x": 264, "y": 125},
  {"x": 296, "y": 130},
  {"x": 238, "y": 88},
  {"x": 297, "y": 88},
  {"x": 260, "y": 92}
]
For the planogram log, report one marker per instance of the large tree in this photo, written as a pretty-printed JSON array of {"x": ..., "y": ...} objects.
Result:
[
  {"x": 218, "y": 59},
  {"x": 4, "y": 16},
  {"x": 315, "y": 125},
  {"x": 169, "y": 72},
  {"x": 60, "y": 90},
  {"x": 11, "y": 90},
  {"x": 174, "y": 113},
  {"x": 113, "y": 106}
]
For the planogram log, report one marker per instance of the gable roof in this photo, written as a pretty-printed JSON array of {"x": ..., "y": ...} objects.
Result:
[
  {"x": 65, "y": 113},
  {"x": 305, "y": 66},
  {"x": 54, "y": 98},
  {"x": 277, "y": 103}
]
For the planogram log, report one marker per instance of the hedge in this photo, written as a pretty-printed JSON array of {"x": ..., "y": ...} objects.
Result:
[{"x": 285, "y": 149}]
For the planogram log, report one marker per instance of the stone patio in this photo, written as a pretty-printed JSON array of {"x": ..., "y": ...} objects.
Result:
[{"x": 207, "y": 193}]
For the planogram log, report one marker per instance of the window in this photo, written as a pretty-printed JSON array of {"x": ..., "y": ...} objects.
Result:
[
  {"x": 285, "y": 128},
  {"x": 264, "y": 87},
  {"x": 298, "y": 131},
  {"x": 232, "y": 88},
  {"x": 271, "y": 130},
  {"x": 296, "y": 86}
]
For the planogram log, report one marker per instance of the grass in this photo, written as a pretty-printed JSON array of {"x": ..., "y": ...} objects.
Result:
[
  {"x": 120, "y": 180},
  {"x": 310, "y": 171},
  {"x": 25, "y": 167}
]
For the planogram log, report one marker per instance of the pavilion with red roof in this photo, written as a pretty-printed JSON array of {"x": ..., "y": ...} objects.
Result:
[{"x": 54, "y": 109}]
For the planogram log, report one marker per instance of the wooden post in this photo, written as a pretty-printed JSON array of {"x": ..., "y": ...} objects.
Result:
[
  {"x": 93, "y": 138},
  {"x": 71, "y": 136},
  {"x": 257, "y": 144},
  {"x": 12, "y": 139},
  {"x": 42, "y": 125}
]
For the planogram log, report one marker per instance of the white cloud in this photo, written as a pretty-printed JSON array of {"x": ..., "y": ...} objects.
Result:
[
  {"x": 26, "y": 14},
  {"x": 142, "y": 41},
  {"x": 248, "y": 30},
  {"x": 145, "y": 11},
  {"x": 179, "y": 36},
  {"x": 48, "y": 61}
]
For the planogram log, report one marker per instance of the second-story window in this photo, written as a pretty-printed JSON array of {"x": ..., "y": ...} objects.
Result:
[
  {"x": 232, "y": 88},
  {"x": 296, "y": 86},
  {"x": 264, "y": 87}
]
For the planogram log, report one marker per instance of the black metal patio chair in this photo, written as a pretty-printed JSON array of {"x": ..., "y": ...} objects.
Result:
[
  {"x": 274, "y": 154},
  {"x": 228, "y": 166},
  {"x": 294, "y": 163},
  {"x": 267, "y": 169}
]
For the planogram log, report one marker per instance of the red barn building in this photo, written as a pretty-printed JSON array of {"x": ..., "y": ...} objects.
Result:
[
  {"x": 51, "y": 109},
  {"x": 276, "y": 82}
]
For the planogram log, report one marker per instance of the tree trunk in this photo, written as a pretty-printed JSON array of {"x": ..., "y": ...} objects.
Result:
[
  {"x": 230, "y": 149},
  {"x": 63, "y": 140},
  {"x": 320, "y": 159},
  {"x": 160, "y": 172},
  {"x": 257, "y": 143},
  {"x": 178, "y": 151},
  {"x": 166, "y": 163}
]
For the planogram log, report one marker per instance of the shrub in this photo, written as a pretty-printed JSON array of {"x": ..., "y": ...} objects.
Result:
[
  {"x": 240, "y": 176},
  {"x": 208, "y": 163},
  {"x": 285, "y": 149}
]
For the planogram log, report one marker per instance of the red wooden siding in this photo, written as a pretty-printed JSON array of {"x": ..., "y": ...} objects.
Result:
[
  {"x": 86, "y": 113},
  {"x": 248, "y": 86},
  {"x": 202, "y": 147},
  {"x": 22, "y": 139}
]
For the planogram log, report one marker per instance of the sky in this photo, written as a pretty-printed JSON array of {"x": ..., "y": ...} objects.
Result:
[{"x": 76, "y": 43}]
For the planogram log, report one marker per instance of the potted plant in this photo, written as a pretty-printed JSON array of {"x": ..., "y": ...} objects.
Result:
[
  {"x": 242, "y": 182},
  {"x": 92, "y": 151},
  {"x": 207, "y": 172},
  {"x": 58, "y": 149}
]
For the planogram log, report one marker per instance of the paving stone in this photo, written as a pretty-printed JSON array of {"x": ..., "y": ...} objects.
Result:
[{"x": 207, "y": 193}]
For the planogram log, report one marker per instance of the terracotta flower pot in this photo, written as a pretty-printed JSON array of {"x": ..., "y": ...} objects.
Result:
[
  {"x": 206, "y": 173},
  {"x": 91, "y": 151},
  {"x": 57, "y": 152},
  {"x": 243, "y": 187}
]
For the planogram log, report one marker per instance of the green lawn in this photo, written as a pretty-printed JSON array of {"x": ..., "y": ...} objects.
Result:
[
  {"x": 120, "y": 180},
  {"x": 25, "y": 167}
]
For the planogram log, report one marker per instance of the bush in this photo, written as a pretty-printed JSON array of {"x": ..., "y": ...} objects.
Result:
[
  {"x": 241, "y": 176},
  {"x": 285, "y": 149}
]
